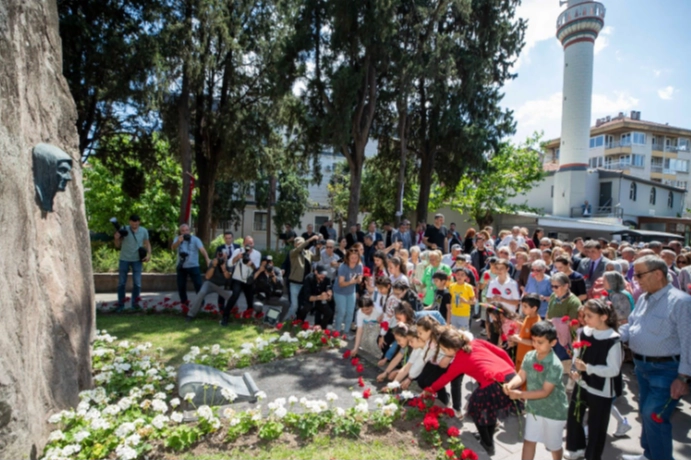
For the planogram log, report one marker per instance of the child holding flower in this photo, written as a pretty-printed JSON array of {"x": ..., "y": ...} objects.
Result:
[
  {"x": 597, "y": 360},
  {"x": 545, "y": 395}
]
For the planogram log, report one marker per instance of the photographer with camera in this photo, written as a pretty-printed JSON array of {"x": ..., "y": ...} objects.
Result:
[
  {"x": 216, "y": 276},
  {"x": 246, "y": 261},
  {"x": 300, "y": 266},
  {"x": 188, "y": 248},
  {"x": 316, "y": 295},
  {"x": 268, "y": 284},
  {"x": 135, "y": 250}
]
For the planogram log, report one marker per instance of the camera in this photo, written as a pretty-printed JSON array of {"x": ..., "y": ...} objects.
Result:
[
  {"x": 187, "y": 237},
  {"x": 246, "y": 255},
  {"x": 119, "y": 229},
  {"x": 321, "y": 242}
]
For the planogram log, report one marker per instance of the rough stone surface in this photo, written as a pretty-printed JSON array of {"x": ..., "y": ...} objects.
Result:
[{"x": 47, "y": 297}]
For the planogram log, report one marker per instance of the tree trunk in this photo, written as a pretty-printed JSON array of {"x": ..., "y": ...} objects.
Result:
[
  {"x": 425, "y": 181},
  {"x": 355, "y": 162},
  {"x": 270, "y": 201},
  {"x": 483, "y": 219},
  {"x": 402, "y": 122},
  {"x": 184, "y": 140}
]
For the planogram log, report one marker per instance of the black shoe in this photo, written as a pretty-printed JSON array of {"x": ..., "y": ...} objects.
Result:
[
  {"x": 223, "y": 323},
  {"x": 488, "y": 449}
]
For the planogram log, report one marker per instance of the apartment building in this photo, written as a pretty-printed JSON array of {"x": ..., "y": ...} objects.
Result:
[{"x": 651, "y": 151}]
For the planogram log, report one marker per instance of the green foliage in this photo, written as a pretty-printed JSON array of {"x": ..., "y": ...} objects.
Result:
[
  {"x": 291, "y": 204},
  {"x": 155, "y": 198},
  {"x": 271, "y": 430},
  {"x": 510, "y": 172},
  {"x": 182, "y": 438},
  {"x": 105, "y": 259}
]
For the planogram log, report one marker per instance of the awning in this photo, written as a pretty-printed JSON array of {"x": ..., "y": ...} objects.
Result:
[
  {"x": 579, "y": 224},
  {"x": 648, "y": 234}
]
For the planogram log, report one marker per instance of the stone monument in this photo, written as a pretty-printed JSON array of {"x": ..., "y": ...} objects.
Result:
[
  {"x": 207, "y": 385},
  {"x": 46, "y": 297}
]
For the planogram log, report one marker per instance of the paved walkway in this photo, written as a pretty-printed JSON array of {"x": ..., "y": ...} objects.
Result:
[{"x": 284, "y": 380}]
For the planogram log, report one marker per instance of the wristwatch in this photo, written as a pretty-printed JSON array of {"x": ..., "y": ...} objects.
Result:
[{"x": 684, "y": 379}]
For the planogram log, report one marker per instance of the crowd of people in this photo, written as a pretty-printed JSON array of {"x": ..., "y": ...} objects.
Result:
[{"x": 556, "y": 318}]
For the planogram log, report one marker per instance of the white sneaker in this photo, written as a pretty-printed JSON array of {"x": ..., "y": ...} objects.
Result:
[
  {"x": 459, "y": 414},
  {"x": 622, "y": 428},
  {"x": 633, "y": 457},
  {"x": 578, "y": 454}
]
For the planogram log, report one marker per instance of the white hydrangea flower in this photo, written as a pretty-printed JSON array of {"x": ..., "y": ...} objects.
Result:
[
  {"x": 393, "y": 385},
  {"x": 215, "y": 423},
  {"x": 280, "y": 401},
  {"x": 148, "y": 388},
  {"x": 146, "y": 403},
  {"x": 56, "y": 436},
  {"x": 124, "y": 344},
  {"x": 125, "y": 452},
  {"x": 125, "y": 429},
  {"x": 125, "y": 403},
  {"x": 81, "y": 436},
  {"x": 56, "y": 418},
  {"x": 175, "y": 402},
  {"x": 378, "y": 401},
  {"x": 190, "y": 396},
  {"x": 170, "y": 387},
  {"x": 71, "y": 450},
  {"x": 92, "y": 414},
  {"x": 133, "y": 439},
  {"x": 195, "y": 350},
  {"x": 215, "y": 349},
  {"x": 111, "y": 410},
  {"x": 309, "y": 346},
  {"x": 229, "y": 395},
  {"x": 340, "y": 411},
  {"x": 99, "y": 424},
  {"x": 234, "y": 422},
  {"x": 159, "y": 406},
  {"x": 54, "y": 453},
  {"x": 362, "y": 407},
  {"x": 159, "y": 422},
  {"x": 390, "y": 409},
  {"x": 272, "y": 406},
  {"x": 205, "y": 412},
  {"x": 160, "y": 395},
  {"x": 83, "y": 407},
  {"x": 292, "y": 400},
  {"x": 357, "y": 395},
  {"x": 228, "y": 413},
  {"x": 246, "y": 346},
  {"x": 257, "y": 416},
  {"x": 281, "y": 412},
  {"x": 261, "y": 395},
  {"x": 187, "y": 358},
  {"x": 407, "y": 395},
  {"x": 176, "y": 416}
]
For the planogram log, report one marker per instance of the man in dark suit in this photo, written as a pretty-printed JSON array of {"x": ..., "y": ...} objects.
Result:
[
  {"x": 372, "y": 232},
  {"x": 227, "y": 249},
  {"x": 354, "y": 236},
  {"x": 593, "y": 266}
]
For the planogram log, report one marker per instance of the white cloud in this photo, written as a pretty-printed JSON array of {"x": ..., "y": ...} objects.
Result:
[
  {"x": 545, "y": 114},
  {"x": 657, "y": 72},
  {"x": 542, "y": 24},
  {"x": 603, "y": 38},
  {"x": 666, "y": 92}
]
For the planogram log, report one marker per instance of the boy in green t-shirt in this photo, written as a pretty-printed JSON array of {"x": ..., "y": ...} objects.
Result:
[
  {"x": 462, "y": 296},
  {"x": 545, "y": 394}
]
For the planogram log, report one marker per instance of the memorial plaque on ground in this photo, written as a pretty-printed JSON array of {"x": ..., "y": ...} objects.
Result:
[
  {"x": 369, "y": 344},
  {"x": 207, "y": 384}
]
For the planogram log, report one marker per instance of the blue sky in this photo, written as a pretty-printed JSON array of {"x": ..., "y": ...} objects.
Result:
[{"x": 642, "y": 62}]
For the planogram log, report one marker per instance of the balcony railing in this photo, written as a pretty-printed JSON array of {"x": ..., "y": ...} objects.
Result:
[
  {"x": 598, "y": 212},
  {"x": 656, "y": 169},
  {"x": 663, "y": 148},
  {"x": 615, "y": 144},
  {"x": 620, "y": 166}
]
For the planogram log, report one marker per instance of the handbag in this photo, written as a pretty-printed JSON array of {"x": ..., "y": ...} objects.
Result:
[{"x": 142, "y": 251}]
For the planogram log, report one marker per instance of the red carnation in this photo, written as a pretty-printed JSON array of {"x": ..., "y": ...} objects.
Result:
[
  {"x": 657, "y": 418},
  {"x": 449, "y": 412},
  {"x": 430, "y": 422},
  {"x": 566, "y": 319},
  {"x": 279, "y": 326},
  {"x": 361, "y": 382},
  {"x": 247, "y": 314},
  {"x": 336, "y": 334},
  {"x": 575, "y": 323},
  {"x": 496, "y": 291},
  {"x": 354, "y": 362},
  {"x": 237, "y": 315},
  {"x": 421, "y": 405},
  {"x": 577, "y": 345},
  {"x": 468, "y": 454},
  {"x": 512, "y": 332},
  {"x": 453, "y": 432},
  {"x": 327, "y": 332},
  {"x": 324, "y": 340},
  {"x": 259, "y": 315},
  {"x": 346, "y": 354},
  {"x": 385, "y": 326},
  {"x": 305, "y": 325},
  {"x": 503, "y": 338},
  {"x": 539, "y": 368},
  {"x": 296, "y": 322},
  {"x": 166, "y": 299},
  {"x": 420, "y": 295},
  {"x": 360, "y": 368},
  {"x": 450, "y": 454},
  {"x": 366, "y": 393}
]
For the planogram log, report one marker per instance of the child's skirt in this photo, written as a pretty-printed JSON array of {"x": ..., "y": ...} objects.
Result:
[{"x": 487, "y": 404}]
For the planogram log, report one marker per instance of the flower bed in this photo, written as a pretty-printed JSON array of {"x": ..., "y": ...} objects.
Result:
[{"x": 134, "y": 413}]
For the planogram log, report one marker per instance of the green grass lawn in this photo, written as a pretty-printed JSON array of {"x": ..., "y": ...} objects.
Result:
[{"x": 174, "y": 335}]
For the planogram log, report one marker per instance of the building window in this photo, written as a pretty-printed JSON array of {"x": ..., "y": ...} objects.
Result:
[
  {"x": 632, "y": 192},
  {"x": 551, "y": 191},
  {"x": 683, "y": 144},
  {"x": 653, "y": 194},
  {"x": 597, "y": 141},
  {"x": 638, "y": 160},
  {"x": 318, "y": 221},
  {"x": 260, "y": 220},
  {"x": 626, "y": 139},
  {"x": 639, "y": 138},
  {"x": 670, "y": 200},
  {"x": 682, "y": 184},
  {"x": 675, "y": 165}
]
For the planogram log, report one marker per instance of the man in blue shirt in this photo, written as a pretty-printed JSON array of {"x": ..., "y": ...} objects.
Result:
[
  {"x": 137, "y": 236},
  {"x": 188, "y": 247}
]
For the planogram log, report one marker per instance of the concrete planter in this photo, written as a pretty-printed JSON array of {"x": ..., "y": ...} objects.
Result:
[{"x": 151, "y": 283}]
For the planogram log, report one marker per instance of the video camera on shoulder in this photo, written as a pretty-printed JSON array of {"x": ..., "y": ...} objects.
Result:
[{"x": 122, "y": 230}]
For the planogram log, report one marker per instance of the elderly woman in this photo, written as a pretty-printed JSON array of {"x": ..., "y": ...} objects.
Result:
[
  {"x": 435, "y": 265},
  {"x": 420, "y": 260},
  {"x": 562, "y": 303},
  {"x": 622, "y": 301},
  {"x": 539, "y": 283}
]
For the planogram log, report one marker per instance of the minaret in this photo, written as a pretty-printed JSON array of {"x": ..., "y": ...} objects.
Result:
[{"x": 577, "y": 29}]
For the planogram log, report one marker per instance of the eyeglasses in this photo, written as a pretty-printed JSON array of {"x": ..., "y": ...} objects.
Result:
[
  {"x": 554, "y": 287},
  {"x": 328, "y": 247},
  {"x": 641, "y": 274}
]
